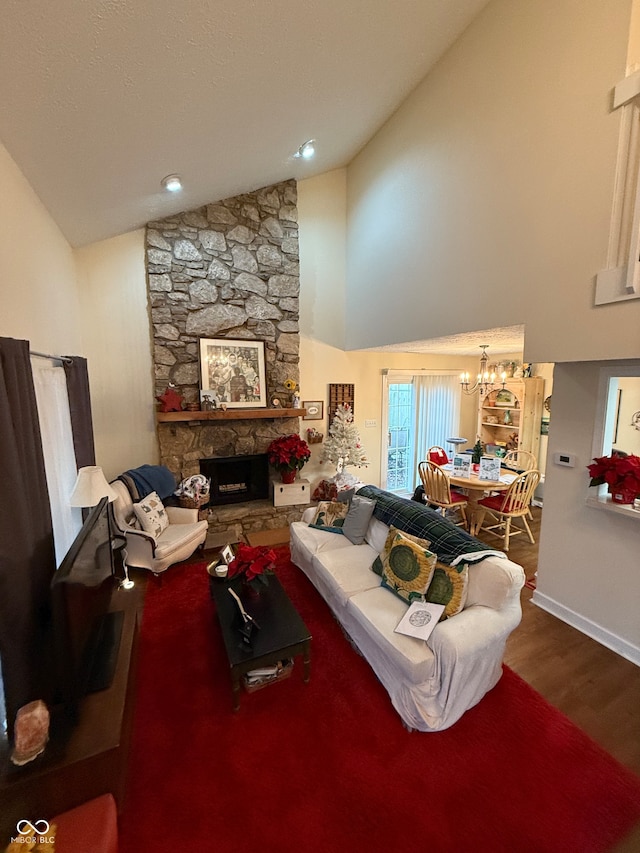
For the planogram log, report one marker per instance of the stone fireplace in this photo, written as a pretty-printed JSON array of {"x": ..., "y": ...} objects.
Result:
[{"x": 226, "y": 270}]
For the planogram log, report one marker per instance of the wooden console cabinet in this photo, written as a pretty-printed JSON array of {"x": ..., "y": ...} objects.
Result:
[
  {"x": 90, "y": 758},
  {"x": 514, "y": 424}
]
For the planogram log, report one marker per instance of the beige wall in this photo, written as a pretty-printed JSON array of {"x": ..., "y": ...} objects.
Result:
[
  {"x": 37, "y": 274},
  {"x": 322, "y": 208},
  {"x": 91, "y": 302},
  {"x": 588, "y": 564},
  {"x": 486, "y": 199},
  {"x": 633, "y": 53},
  {"x": 118, "y": 346}
]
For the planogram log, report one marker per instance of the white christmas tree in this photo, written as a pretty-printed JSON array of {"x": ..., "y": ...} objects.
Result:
[{"x": 343, "y": 442}]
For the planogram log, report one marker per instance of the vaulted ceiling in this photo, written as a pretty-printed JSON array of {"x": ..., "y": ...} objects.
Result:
[{"x": 101, "y": 99}]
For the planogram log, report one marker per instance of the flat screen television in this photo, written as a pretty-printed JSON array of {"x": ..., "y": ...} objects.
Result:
[{"x": 86, "y": 633}]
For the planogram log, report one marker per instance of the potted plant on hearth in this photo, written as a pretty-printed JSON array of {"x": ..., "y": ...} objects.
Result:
[
  {"x": 288, "y": 454},
  {"x": 621, "y": 473}
]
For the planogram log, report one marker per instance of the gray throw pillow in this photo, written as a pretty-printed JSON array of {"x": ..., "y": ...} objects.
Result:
[{"x": 357, "y": 519}]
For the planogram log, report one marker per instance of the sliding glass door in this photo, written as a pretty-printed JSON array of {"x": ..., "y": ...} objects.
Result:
[{"x": 420, "y": 409}]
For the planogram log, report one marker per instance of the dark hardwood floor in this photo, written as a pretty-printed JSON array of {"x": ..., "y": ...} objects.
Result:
[{"x": 596, "y": 688}]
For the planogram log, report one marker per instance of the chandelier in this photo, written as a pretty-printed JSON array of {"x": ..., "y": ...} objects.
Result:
[{"x": 485, "y": 381}]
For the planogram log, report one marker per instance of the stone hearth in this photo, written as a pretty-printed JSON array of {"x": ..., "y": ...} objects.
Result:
[{"x": 232, "y": 523}]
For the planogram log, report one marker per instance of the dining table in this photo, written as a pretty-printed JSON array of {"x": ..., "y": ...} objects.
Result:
[{"x": 475, "y": 489}]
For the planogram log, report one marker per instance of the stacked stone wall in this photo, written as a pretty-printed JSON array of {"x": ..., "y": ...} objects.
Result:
[{"x": 226, "y": 270}]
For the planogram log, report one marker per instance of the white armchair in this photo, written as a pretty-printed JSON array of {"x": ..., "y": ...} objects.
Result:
[{"x": 177, "y": 542}]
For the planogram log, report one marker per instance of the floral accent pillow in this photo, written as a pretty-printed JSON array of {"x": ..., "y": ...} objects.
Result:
[
  {"x": 151, "y": 514},
  {"x": 407, "y": 568},
  {"x": 378, "y": 562},
  {"x": 330, "y": 514},
  {"x": 449, "y": 587}
]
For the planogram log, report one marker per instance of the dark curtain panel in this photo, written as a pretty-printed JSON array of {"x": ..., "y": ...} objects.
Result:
[
  {"x": 80, "y": 408},
  {"x": 27, "y": 555}
]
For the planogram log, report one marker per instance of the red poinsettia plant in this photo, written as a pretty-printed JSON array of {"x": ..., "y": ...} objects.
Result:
[
  {"x": 254, "y": 563},
  {"x": 618, "y": 470},
  {"x": 288, "y": 453}
]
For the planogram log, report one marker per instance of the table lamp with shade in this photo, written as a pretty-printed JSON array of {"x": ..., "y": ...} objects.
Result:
[{"x": 90, "y": 487}]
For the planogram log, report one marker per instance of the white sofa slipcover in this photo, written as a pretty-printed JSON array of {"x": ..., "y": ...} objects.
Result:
[{"x": 431, "y": 684}]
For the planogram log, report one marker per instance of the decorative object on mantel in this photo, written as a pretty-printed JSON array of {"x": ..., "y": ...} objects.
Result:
[
  {"x": 292, "y": 387},
  {"x": 208, "y": 402},
  {"x": 275, "y": 402},
  {"x": 621, "y": 473},
  {"x": 314, "y": 437},
  {"x": 193, "y": 491},
  {"x": 288, "y": 454},
  {"x": 343, "y": 446},
  {"x": 171, "y": 400},
  {"x": 635, "y": 420}
]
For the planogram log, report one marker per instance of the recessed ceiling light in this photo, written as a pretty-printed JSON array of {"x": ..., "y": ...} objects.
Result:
[
  {"x": 306, "y": 150},
  {"x": 172, "y": 183}
]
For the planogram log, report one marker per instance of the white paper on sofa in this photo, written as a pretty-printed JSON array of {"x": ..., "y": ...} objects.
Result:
[{"x": 420, "y": 619}]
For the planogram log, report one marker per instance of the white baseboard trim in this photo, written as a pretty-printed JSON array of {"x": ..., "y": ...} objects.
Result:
[{"x": 586, "y": 626}]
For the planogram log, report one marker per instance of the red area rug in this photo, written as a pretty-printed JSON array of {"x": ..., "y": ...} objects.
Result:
[{"x": 328, "y": 767}]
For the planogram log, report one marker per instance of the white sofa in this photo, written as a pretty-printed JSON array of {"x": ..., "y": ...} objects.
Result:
[{"x": 431, "y": 684}]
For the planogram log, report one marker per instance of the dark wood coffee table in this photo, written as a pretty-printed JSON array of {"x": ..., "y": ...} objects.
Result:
[{"x": 282, "y": 633}]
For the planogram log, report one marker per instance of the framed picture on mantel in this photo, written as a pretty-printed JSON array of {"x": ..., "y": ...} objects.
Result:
[{"x": 233, "y": 371}]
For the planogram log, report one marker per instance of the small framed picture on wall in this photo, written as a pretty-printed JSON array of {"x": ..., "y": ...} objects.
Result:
[{"x": 315, "y": 410}]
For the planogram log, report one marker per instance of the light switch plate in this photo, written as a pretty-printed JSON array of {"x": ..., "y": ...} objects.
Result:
[{"x": 371, "y": 423}]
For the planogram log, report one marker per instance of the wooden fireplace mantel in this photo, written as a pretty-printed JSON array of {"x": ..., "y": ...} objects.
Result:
[{"x": 228, "y": 415}]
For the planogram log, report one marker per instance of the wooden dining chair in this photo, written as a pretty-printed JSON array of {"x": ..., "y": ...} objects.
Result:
[
  {"x": 509, "y": 505},
  {"x": 521, "y": 460},
  {"x": 438, "y": 492},
  {"x": 438, "y": 455}
]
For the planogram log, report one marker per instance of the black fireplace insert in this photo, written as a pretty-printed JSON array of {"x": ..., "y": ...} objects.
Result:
[{"x": 235, "y": 479}]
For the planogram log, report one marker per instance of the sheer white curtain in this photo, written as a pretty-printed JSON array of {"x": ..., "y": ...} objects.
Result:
[
  {"x": 437, "y": 412},
  {"x": 57, "y": 447}
]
